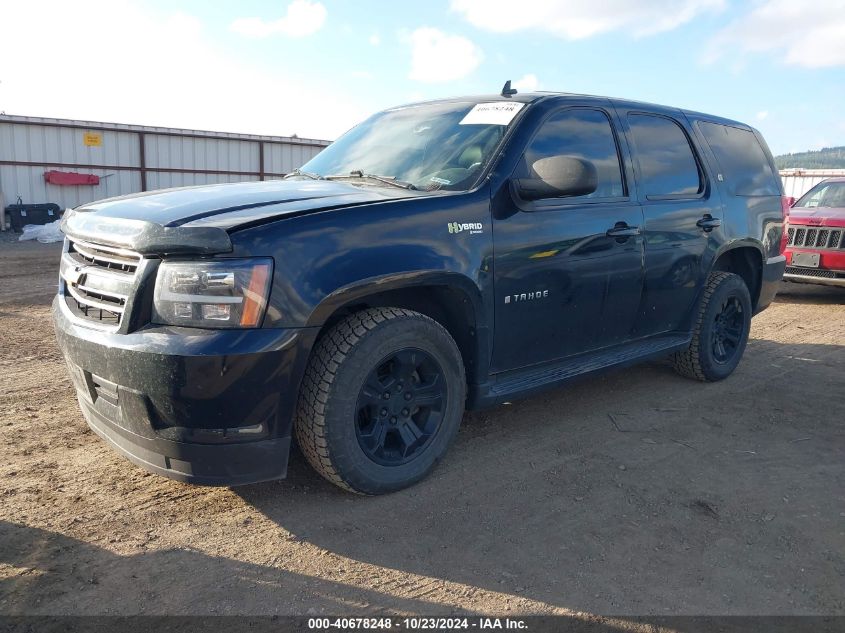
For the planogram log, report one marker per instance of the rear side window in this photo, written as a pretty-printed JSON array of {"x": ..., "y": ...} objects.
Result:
[
  {"x": 584, "y": 134},
  {"x": 744, "y": 165},
  {"x": 668, "y": 168}
]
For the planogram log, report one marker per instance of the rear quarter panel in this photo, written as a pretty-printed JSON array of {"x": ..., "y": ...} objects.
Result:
[{"x": 749, "y": 220}]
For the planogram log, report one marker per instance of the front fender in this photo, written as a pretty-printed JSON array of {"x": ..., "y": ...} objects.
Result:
[
  {"x": 360, "y": 290},
  {"x": 329, "y": 259}
]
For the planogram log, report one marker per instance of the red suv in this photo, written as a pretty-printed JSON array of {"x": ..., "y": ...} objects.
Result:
[{"x": 815, "y": 251}]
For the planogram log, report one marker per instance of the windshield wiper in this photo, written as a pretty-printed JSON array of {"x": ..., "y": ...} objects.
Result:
[
  {"x": 305, "y": 174},
  {"x": 358, "y": 173}
]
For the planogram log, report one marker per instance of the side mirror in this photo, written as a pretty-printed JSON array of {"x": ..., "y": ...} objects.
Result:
[{"x": 557, "y": 177}]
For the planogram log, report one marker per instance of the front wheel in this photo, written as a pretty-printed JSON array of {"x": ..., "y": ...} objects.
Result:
[
  {"x": 382, "y": 399},
  {"x": 720, "y": 332}
]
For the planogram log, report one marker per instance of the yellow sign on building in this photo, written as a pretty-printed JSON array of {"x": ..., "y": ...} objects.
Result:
[{"x": 93, "y": 139}]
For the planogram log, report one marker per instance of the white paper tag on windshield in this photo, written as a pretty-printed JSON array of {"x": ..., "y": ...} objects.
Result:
[{"x": 496, "y": 113}]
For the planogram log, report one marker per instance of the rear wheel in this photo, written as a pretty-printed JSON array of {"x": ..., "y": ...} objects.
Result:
[
  {"x": 720, "y": 332},
  {"x": 381, "y": 400}
]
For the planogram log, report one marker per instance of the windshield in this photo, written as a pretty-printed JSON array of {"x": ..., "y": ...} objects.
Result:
[
  {"x": 429, "y": 146},
  {"x": 826, "y": 194}
]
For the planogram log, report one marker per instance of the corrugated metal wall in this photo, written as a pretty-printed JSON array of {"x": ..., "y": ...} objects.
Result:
[
  {"x": 797, "y": 182},
  {"x": 132, "y": 158}
]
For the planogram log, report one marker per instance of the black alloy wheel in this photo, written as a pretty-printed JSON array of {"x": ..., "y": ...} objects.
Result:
[
  {"x": 381, "y": 401},
  {"x": 400, "y": 407},
  {"x": 720, "y": 329},
  {"x": 728, "y": 329}
]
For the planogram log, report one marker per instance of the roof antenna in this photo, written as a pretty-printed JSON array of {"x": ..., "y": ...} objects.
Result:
[{"x": 507, "y": 91}]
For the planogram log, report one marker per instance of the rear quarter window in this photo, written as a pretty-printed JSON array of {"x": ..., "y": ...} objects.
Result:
[{"x": 743, "y": 164}]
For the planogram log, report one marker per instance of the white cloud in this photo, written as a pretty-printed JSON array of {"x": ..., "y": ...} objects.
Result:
[
  {"x": 762, "y": 115},
  {"x": 374, "y": 39},
  {"x": 579, "y": 19},
  {"x": 526, "y": 83},
  {"x": 195, "y": 83},
  {"x": 809, "y": 34},
  {"x": 437, "y": 56},
  {"x": 301, "y": 18}
]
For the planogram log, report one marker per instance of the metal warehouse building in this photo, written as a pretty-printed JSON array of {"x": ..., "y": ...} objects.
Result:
[{"x": 124, "y": 159}]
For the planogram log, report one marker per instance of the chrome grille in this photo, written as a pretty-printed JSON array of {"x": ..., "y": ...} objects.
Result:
[
  {"x": 110, "y": 258},
  {"x": 98, "y": 281},
  {"x": 812, "y": 237}
]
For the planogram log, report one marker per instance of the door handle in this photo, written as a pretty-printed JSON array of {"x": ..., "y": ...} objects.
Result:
[
  {"x": 708, "y": 223},
  {"x": 623, "y": 230}
]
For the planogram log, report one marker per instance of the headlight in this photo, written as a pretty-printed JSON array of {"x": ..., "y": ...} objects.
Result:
[{"x": 220, "y": 293}]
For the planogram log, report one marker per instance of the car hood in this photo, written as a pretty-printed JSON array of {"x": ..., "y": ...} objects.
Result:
[
  {"x": 198, "y": 219},
  {"x": 817, "y": 216}
]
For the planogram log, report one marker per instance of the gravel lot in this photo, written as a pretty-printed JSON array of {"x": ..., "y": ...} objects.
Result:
[{"x": 635, "y": 493}]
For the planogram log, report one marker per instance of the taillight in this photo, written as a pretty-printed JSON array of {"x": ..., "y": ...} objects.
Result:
[{"x": 786, "y": 203}]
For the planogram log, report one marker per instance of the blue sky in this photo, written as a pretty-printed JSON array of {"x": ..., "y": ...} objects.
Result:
[{"x": 317, "y": 67}]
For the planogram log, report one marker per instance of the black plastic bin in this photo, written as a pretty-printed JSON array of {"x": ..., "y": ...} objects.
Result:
[{"x": 22, "y": 214}]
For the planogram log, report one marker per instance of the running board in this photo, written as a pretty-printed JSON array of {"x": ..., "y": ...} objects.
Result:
[{"x": 520, "y": 382}]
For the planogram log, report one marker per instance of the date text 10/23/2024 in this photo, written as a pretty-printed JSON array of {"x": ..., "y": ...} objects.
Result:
[{"x": 415, "y": 624}]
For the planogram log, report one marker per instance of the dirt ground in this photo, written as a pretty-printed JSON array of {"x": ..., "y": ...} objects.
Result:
[{"x": 639, "y": 492}]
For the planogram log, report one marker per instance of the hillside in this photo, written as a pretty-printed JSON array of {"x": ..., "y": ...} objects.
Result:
[{"x": 825, "y": 158}]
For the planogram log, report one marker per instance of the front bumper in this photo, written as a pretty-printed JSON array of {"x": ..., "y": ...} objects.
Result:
[
  {"x": 212, "y": 407},
  {"x": 819, "y": 276},
  {"x": 830, "y": 271}
]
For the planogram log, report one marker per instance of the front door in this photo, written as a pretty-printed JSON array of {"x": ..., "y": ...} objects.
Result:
[{"x": 568, "y": 271}]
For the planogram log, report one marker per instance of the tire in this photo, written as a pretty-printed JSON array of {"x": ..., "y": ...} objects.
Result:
[
  {"x": 341, "y": 425},
  {"x": 720, "y": 332}
]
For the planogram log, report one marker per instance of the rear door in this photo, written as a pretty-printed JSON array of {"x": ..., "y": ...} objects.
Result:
[
  {"x": 681, "y": 210},
  {"x": 563, "y": 285}
]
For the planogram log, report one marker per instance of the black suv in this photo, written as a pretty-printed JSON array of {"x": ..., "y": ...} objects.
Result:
[{"x": 439, "y": 256}]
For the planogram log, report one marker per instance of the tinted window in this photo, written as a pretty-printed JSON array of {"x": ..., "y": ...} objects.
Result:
[
  {"x": 744, "y": 166},
  {"x": 584, "y": 134},
  {"x": 667, "y": 164}
]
